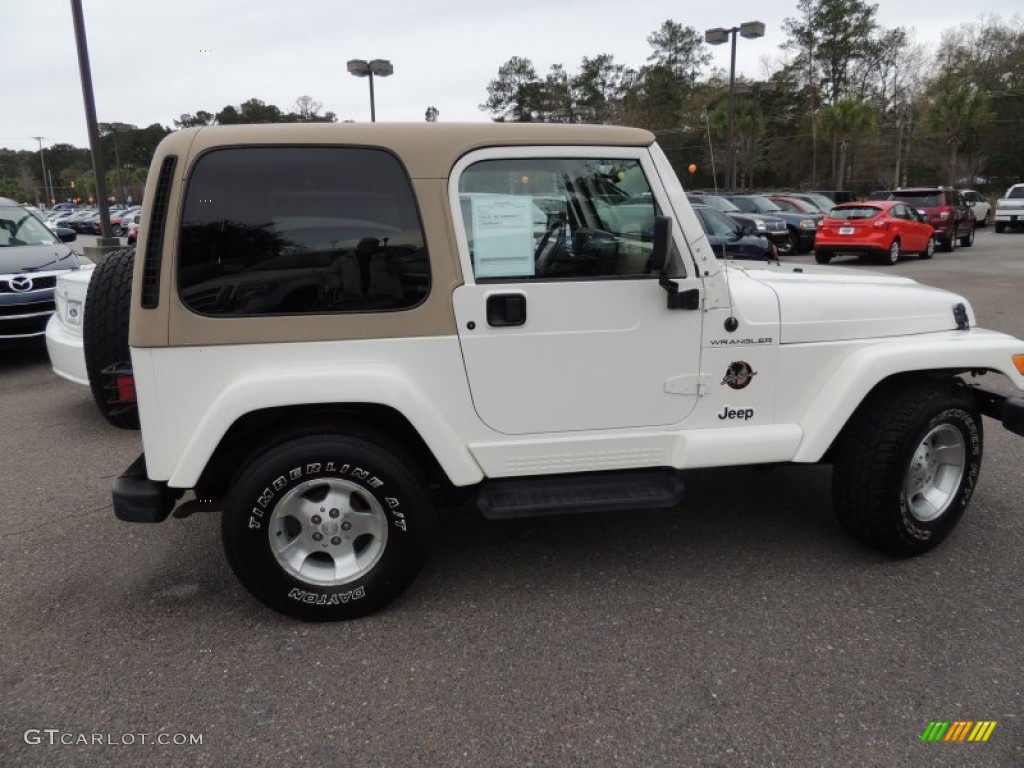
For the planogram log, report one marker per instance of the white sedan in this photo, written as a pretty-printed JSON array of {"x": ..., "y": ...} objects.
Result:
[
  {"x": 64, "y": 330},
  {"x": 980, "y": 205}
]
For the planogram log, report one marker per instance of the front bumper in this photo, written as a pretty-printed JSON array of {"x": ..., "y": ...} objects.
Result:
[
  {"x": 137, "y": 499},
  {"x": 1006, "y": 409}
]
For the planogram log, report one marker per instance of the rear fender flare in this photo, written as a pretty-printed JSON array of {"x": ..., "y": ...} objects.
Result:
[{"x": 365, "y": 383}]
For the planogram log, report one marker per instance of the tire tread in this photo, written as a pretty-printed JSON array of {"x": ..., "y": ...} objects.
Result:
[{"x": 105, "y": 328}]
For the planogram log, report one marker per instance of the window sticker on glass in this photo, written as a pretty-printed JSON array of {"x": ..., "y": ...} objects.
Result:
[{"x": 502, "y": 236}]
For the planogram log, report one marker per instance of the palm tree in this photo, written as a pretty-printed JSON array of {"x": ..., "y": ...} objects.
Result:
[
  {"x": 959, "y": 115},
  {"x": 845, "y": 121},
  {"x": 748, "y": 127}
]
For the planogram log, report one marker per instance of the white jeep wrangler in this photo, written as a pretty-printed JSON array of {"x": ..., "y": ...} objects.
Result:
[{"x": 335, "y": 328}]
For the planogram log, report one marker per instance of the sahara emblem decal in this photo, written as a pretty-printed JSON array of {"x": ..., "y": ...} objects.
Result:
[{"x": 739, "y": 374}]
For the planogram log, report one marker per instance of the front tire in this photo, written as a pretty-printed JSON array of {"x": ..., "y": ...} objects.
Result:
[
  {"x": 1000, "y": 227},
  {"x": 949, "y": 244},
  {"x": 906, "y": 465},
  {"x": 822, "y": 257},
  {"x": 326, "y": 527}
]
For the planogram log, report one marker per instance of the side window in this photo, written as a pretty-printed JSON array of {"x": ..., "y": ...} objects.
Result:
[
  {"x": 294, "y": 230},
  {"x": 547, "y": 218}
]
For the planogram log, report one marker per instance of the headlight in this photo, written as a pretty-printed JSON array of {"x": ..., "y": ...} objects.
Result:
[
  {"x": 807, "y": 224},
  {"x": 759, "y": 225}
]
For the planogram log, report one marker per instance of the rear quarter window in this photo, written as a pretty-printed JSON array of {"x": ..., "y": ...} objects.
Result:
[{"x": 298, "y": 230}]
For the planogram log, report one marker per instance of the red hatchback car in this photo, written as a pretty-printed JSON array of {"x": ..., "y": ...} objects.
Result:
[{"x": 885, "y": 229}]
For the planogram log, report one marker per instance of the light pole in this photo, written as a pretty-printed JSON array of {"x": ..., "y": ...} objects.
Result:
[
  {"x": 717, "y": 36},
  {"x": 363, "y": 68},
  {"x": 107, "y": 240},
  {"x": 46, "y": 188},
  {"x": 112, "y": 127}
]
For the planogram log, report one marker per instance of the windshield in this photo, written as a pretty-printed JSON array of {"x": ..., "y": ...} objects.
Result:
[
  {"x": 754, "y": 204},
  {"x": 719, "y": 203},
  {"x": 716, "y": 222},
  {"x": 19, "y": 227}
]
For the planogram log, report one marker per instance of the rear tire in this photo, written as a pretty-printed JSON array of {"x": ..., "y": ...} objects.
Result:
[
  {"x": 1000, "y": 227},
  {"x": 325, "y": 527},
  {"x": 929, "y": 249},
  {"x": 968, "y": 240},
  {"x": 893, "y": 256},
  {"x": 906, "y": 465},
  {"x": 105, "y": 332},
  {"x": 949, "y": 244},
  {"x": 822, "y": 258}
]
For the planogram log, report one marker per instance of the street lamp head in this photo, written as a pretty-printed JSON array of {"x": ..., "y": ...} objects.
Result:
[
  {"x": 381, "y": 67},
  {"x": 752, "y": 29},
  {"x": 358, "y": 67},
  {"x": 716, "y": 36}
]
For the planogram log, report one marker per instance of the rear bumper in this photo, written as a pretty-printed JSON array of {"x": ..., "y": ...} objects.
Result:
[
  {"x": 137, "y": 499},
  {"x": 67, "y": 352},
  {"x": 1006, "y": 409},
  {"x": 850, "y": 250}
]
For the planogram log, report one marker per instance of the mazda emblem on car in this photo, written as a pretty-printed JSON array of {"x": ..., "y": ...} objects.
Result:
[{"x": 20, "y": 284}]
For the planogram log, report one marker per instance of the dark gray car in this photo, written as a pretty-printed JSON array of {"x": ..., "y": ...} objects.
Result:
[{"x": 31, "y": 257}]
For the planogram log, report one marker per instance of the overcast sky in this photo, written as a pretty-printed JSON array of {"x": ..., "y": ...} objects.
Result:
[{"x": 149, "y": 59}]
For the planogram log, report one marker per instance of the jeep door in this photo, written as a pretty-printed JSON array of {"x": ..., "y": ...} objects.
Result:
[{"x": 562, "y": 321}]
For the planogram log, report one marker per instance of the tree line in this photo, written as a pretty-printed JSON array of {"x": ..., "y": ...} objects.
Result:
[
  {"x": 848, "y": 103},
  {"x": 127, "y": 151}
]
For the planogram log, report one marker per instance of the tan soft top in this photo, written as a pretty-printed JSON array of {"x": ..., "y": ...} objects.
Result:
[{"x": 429, "y": 150}]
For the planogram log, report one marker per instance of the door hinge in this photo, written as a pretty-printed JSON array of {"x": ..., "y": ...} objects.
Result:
[{"x": 690, "y": 384}]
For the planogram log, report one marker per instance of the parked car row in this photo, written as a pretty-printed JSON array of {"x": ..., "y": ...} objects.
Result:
[{"x": 86, "y": 221}]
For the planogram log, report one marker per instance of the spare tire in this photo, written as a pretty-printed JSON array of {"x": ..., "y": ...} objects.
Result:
[{"x": 105, "y": 336}]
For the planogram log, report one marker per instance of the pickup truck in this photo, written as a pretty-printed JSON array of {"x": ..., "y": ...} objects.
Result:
[
  {"x": 338, "y": 331},
  {"x": 1010, "y": 208}
]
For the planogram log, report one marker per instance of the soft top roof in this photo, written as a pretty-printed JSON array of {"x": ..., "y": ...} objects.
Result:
[{"x": 428, "y": 149}]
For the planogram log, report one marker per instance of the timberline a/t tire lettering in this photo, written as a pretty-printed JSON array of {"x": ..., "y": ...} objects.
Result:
[{"x": 316, "y": 468}]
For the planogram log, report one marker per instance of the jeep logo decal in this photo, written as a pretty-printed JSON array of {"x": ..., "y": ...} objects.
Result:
[{"x": 736, "y": 413}]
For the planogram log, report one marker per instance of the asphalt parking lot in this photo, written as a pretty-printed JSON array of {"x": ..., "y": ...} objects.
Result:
[{"x": 743, "y": 628}]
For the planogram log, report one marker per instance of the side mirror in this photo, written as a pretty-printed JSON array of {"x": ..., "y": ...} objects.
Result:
[
  {"x": 746, "y": 229},
  {"x": 66, "y": 234},
  {"x": 662, "y": 244}
]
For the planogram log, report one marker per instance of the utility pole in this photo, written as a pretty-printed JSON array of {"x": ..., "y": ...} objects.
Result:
[{"x": 47, "y": 192}]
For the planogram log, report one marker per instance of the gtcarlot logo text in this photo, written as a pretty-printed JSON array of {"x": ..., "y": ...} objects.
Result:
[{"x": 54, "y": 736}]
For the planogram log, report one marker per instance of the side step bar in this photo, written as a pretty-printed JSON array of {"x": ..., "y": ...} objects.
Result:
[{"x": 584, "y": 492}]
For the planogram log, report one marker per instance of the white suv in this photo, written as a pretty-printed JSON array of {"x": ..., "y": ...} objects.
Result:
[{"x": 335, "y": 329}]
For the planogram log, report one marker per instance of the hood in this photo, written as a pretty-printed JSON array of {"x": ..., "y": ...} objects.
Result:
[
  {"x": 15, "y": 259},
  {"x": 835, "y": 304}
]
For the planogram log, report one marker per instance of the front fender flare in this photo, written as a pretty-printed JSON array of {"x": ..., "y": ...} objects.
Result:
[{"x": 864, "y": 369}]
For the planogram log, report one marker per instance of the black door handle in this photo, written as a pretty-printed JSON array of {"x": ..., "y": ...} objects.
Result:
[{"x": 504, "y": 309}]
